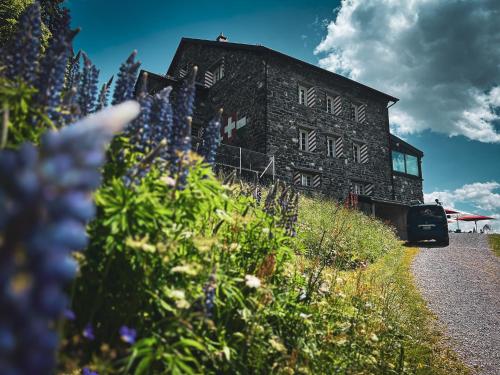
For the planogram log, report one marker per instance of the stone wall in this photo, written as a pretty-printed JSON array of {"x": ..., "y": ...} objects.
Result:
[
  {"x": 286, "y": 116},
  {"x": 407, "y": 189},
  {"x": 241, "y": 92}
]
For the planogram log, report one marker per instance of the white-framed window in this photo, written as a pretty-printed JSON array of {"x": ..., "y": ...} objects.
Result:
[
  {"x": 352, "y": 114},
  {"x": 306, "y": 179},
  {"x": 357, "y": 188},
  {"x": 330, "y": 147},
  {"x": 303, "y": 140},
  {"x": 329, "y": 104},
  {"x": 302, "y": 95},
  {"x": 356, "y": 152},
  {"x": 218, "y": 72}
]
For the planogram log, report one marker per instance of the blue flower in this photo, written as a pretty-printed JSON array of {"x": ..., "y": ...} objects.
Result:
[
  {"x": 124, "y": 88},
  {"x": 88, "y": 332},
  {"x": 127, "y": 334},
  {"x": 87, "y": 371},
  {"x": 69, "y": 314}
]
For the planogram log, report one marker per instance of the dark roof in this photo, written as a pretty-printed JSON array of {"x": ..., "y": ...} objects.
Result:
[
  {"x": 265, "y": 50},
  {"x": 398, "y": 144}
]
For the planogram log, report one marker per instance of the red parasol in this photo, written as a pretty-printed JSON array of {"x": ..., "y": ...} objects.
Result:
[
  {"x": 474, "y": 218},
  {"x": 449, "y": 211}
]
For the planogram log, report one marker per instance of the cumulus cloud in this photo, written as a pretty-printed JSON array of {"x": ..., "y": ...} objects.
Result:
[
  {"x": 441, "y": 58},
  {"x": 480, "y": 195}
]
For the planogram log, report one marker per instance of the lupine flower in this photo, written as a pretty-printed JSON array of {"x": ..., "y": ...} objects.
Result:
[
  {"x": 162, "y": 119},
  {"x": 73, "y": 71},
  {"x": 69, "y": 314},
  {"x": 45, "y": 203},
  {"x": 180, "y": 144},
  {"x": 252, "y": 281},
  {"x": 124, "y": 88},
  {"x": 88, "y": 332},
  {"x": 211, "y": 139},
  {"x": 87, "y": 371},
  {"x": 88, "y": 86},
  {"x": 21, "y": 56},
  {"x": 102, "y": 100},
  {"x": 128, "y": 335},
  {"x": 209, "y": 290},
  {"x": 53, "y": 68}
]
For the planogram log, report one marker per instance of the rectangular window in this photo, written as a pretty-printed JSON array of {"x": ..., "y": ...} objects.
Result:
[
  {"x": 302, "y": 95},
  {"x": 329, "y": 104},
  {"x": 218, "y": 72},
  {"x": 405, "y": 163},
  {"x": 411, "y": 165},
  {"x": 352, "y": 114},
  {"x": 357, "y": 188},
  {"x": 303, "y": 140},
  {"x": 306, "y": 180},
  {"x": 330, "y": 147},
  {"x": 356, "y": 152}
]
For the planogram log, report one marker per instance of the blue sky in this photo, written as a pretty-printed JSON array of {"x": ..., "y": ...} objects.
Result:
[{"x": 436, "y": 85}]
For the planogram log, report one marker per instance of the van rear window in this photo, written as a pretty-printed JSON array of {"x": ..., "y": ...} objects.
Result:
[{"x": 427, "y": 211}]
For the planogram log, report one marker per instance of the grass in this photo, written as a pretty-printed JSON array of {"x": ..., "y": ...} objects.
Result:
[
  {"x": 425, "y": 344},
  {"x": 495, "y": 243}
]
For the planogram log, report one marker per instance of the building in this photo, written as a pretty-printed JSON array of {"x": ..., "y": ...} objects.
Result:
[{"x": 325, "y": 133}]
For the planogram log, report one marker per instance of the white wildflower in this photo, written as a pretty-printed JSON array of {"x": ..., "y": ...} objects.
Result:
[{"x": 252, "y": 281}]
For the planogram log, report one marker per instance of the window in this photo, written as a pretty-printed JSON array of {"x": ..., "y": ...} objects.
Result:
[
  {"x": 218, "y": 72},
  {"x": 405, "y": 163},
  {"x": 329, "y": 104},
  {"x": 306, "y": 180},
  {"x": 302, "y": 95},
  {"x": 356, "y": 152},
  {"x": 304, "y": 140},
  {"x": 352, "y": 114},
  {"x": 357, "y": 188},
  {"x": 330, "y": 147}
]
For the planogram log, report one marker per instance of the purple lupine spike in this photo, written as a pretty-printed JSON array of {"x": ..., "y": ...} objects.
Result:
[
  {"x": 209, "y": 290},
  {"x": 88, "y": 87},
  {"x": 21, "y": 57},
  {"x": 183, "y": 109},
  {"x": 73, "y": 71},
  {"x": 102, "y": 101},
  {"x": 140, "y": 130},
  {"x": 162, "y": 119},
  {"x": 45, "y": 204},
  {"x": 53, "y": 68},
  {"x": 124, "y": 88},
  {"x": 211, "y": 139}
]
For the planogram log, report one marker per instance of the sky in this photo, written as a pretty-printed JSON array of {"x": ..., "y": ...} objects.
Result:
[{"x": 441, "y": 58}]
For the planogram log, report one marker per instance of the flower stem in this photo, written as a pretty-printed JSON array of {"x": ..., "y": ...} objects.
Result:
[{"x": 5, "y": 125}]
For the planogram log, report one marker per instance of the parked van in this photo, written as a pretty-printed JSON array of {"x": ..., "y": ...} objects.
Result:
[{"x": 427, "y": 222}]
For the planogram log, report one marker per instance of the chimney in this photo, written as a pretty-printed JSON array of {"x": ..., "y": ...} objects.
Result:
[{"x": 221, "y": 38}]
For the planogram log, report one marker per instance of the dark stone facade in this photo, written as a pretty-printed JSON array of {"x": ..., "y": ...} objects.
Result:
[{"x": 260, "y": 88}]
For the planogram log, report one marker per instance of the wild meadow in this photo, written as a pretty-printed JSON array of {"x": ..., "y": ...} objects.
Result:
[{"x": 122, "y": 252}]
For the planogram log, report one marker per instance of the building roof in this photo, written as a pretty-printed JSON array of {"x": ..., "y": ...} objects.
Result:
[
  {"x": 265, "y": 50},
  {"x": 398, "y": 143}
]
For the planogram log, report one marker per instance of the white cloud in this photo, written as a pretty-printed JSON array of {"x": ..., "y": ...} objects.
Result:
[
  {"x": 480, "y": 195},
  {"x": 441, "y": 58}
]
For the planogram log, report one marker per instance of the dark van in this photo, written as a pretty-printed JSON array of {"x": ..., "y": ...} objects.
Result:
[{"x": 427, "y": 222}]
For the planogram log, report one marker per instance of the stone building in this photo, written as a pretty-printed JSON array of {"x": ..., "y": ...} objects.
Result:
[{"x": 325, "y": 133}]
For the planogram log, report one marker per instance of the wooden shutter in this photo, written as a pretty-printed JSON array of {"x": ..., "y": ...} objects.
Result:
[
  {"x": 368, "y": 189},
  {"x": 339, "y": 147},
  {"x": 363, "y": 157},
  {"x": 362, "y": 113},
  {"x": 297, "y": 178},
  {"x": 337, "y": 106},
  {"x": 311, "y": 97},
  {"x": 312, "y": 141},
  {"x": 209, "y": 78},
  {"x": 316, "y": 180},
  {"x": 182, "y": 73}
]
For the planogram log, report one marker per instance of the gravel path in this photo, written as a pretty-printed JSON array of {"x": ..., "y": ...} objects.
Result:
[{"x": 461, "y": 284}]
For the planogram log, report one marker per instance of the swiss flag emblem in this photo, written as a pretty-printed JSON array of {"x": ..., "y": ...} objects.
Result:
[{"x": 230, "y": 125}]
